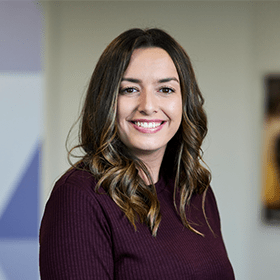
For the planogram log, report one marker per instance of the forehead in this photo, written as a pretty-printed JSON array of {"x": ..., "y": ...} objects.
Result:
[{"x": 151, "y": 60}]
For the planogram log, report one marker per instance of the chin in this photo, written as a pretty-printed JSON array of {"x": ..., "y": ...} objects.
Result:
[{"x": 148, "y": 149}]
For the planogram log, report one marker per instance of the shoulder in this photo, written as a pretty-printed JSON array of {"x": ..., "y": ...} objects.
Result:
[
  {"x": 79, "y": 178},
  {"x": 74, "y": 193},
  {"x": 74, "y": 201},
  {"x": 211, "y": 209},
  {"x": 76, "y": 181},
  {"x": 210, "y": 197},
  {"x": 74, "y": 230}
]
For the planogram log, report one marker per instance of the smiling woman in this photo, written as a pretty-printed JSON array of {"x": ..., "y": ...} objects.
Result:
[
  {"x": 149, "y": 106},
  {"x": 138, "y": 205}
]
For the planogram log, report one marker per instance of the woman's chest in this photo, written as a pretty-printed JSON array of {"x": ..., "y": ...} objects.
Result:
[{"x": 175, "y": 253}]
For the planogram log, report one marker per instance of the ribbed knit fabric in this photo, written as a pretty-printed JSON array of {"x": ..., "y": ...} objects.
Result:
[{"x": 85, "y": 236}]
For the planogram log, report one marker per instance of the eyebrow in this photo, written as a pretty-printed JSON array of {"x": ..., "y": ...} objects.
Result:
[
  {"x": 132, "y": 80},
  {"x": 168, "y": 80},
  {"x": 137, "y": 81}
]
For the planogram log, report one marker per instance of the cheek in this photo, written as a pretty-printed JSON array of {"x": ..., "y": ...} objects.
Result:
[
  {"x": 120, "y": 121},
  {"x": 123, "y": 111},
  {"x": 120, "y": 111},
  {"x": 175, "y": 110}
]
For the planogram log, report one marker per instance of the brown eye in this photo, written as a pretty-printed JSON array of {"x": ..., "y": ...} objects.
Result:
[
  {"x": 128, "y": 90},
  {"x": 166, "y": 90}
]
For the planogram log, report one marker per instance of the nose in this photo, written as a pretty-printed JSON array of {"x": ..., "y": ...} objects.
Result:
[{"x": 148, "y": 103}]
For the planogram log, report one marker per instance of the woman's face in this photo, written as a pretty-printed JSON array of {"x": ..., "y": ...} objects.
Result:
[{"x": 149, "y": 109}]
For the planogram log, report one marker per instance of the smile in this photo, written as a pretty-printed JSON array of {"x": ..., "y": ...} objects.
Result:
[{"x": 148, "y": 126}]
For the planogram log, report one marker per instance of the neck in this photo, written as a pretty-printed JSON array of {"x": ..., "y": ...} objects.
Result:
[{"x": 153, "y": 162}]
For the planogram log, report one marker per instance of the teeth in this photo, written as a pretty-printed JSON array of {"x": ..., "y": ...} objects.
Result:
[{"x": 148, "y": 124}]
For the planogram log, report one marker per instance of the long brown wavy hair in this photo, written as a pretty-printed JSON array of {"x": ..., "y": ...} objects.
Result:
[{"x": 109, "y": 160}]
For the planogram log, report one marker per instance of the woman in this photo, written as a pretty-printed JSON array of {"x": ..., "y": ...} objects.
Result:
[{"x": 138, "y": 205}]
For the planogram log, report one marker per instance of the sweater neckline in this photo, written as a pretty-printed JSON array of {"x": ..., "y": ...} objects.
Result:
[{"x": 160, "y": 185}]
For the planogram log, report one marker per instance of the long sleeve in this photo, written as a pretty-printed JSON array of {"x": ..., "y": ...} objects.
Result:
[{"x": 74, "y": 237}]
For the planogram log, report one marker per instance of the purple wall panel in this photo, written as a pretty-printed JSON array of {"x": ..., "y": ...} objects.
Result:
[{"x": 20, "y": 36}]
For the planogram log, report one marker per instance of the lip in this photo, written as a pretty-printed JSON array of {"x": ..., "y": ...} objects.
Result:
[
  {"x": 148, "y": 129},
  {"x": 147, "y": 120}
]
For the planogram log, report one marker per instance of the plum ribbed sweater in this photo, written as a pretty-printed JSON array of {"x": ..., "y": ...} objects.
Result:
[{"x": 84, "y": 235}]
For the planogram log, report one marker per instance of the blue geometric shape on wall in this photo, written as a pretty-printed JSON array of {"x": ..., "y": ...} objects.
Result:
[{"x": 21, "y": 217}]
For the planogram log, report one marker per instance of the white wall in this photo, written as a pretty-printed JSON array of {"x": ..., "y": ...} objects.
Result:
[{"x": 232, "y": 45}]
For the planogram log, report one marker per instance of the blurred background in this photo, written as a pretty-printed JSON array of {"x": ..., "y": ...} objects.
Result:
[{"x": 48, "y": 51}]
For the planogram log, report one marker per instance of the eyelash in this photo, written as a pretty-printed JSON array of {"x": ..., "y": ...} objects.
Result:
[
  {"x": 171, "y": 90},
  {"x": 125, "y": 90}
]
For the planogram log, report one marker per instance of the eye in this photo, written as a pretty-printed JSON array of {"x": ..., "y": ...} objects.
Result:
[
  {"x": 128, "y": 90},
  {"x": 166, "y": 90}
]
